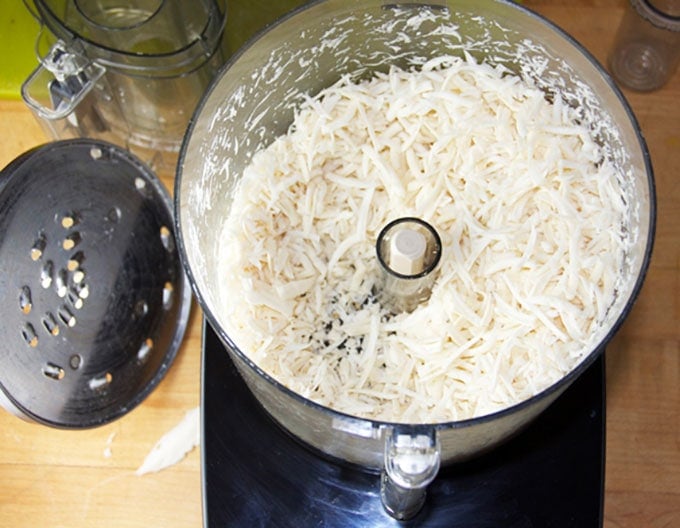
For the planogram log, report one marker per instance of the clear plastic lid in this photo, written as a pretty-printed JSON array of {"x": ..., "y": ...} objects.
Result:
[{"x": 154, "y": 37}]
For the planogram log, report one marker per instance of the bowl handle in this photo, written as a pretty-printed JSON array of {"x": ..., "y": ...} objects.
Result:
[
  {"x": 60, "y": 82},
  {"x": 412, "y": 460}
]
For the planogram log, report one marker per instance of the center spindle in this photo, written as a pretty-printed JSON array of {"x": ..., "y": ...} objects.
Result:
[{"x": 409, "y": 251}]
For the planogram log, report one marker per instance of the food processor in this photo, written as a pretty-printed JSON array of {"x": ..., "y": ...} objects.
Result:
[{"x": 253, "y": 101}]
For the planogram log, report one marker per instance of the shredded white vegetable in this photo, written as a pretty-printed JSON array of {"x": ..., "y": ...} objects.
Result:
[{"x": 531, "y": 218}]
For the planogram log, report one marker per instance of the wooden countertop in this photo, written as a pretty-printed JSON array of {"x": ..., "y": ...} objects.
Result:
[{"x": 59, "y": 478}]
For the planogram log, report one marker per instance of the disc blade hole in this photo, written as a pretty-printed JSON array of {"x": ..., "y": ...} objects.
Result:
[
  {"x": 25, "y": 300},
  {"x": 145, "y": 349},
  {"x": 66, "y": 317},
  {"x": 167, "y": 239},
  {"x": 50, "y": 324},
  {"x": 29, "y": 335},
  {"x": 55, "y": 372},
  {"x": 70, "y": 220},
  {"x": 46, "y": 274},
  {"x": 168, "y": 294},
  {"x": 75, "y": 261},
  {"x": 71, "y": 241},
  {"x": 100, "y": 382},
  {"x": 38, "y": 248}
]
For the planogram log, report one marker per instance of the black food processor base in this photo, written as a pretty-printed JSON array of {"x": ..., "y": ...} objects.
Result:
[{"x": 256, "y": 475}]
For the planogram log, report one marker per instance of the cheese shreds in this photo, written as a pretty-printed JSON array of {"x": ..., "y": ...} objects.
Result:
[
  {"x": 531, "y": 217},
  {"x": 174, "y": 445}
]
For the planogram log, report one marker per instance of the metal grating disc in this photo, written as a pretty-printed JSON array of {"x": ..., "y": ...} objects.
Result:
[{"x": 95, "y": 299}]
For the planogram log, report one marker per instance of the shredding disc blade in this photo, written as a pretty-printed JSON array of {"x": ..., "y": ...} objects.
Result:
[{"x": 95, "y": 298}]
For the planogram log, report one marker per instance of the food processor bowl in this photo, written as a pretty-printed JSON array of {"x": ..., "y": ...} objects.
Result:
[
  {"x": 253, "y": 101},
  {"x": 127, "y": 72}
]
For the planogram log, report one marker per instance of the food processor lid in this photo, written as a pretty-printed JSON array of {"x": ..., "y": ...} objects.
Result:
[
  {"x": 96, "y": 298},
  {"x": 144, "y": 36}
]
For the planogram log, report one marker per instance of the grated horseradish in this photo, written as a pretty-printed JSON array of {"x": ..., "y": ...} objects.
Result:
[{"x": 531, "y": 219}]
